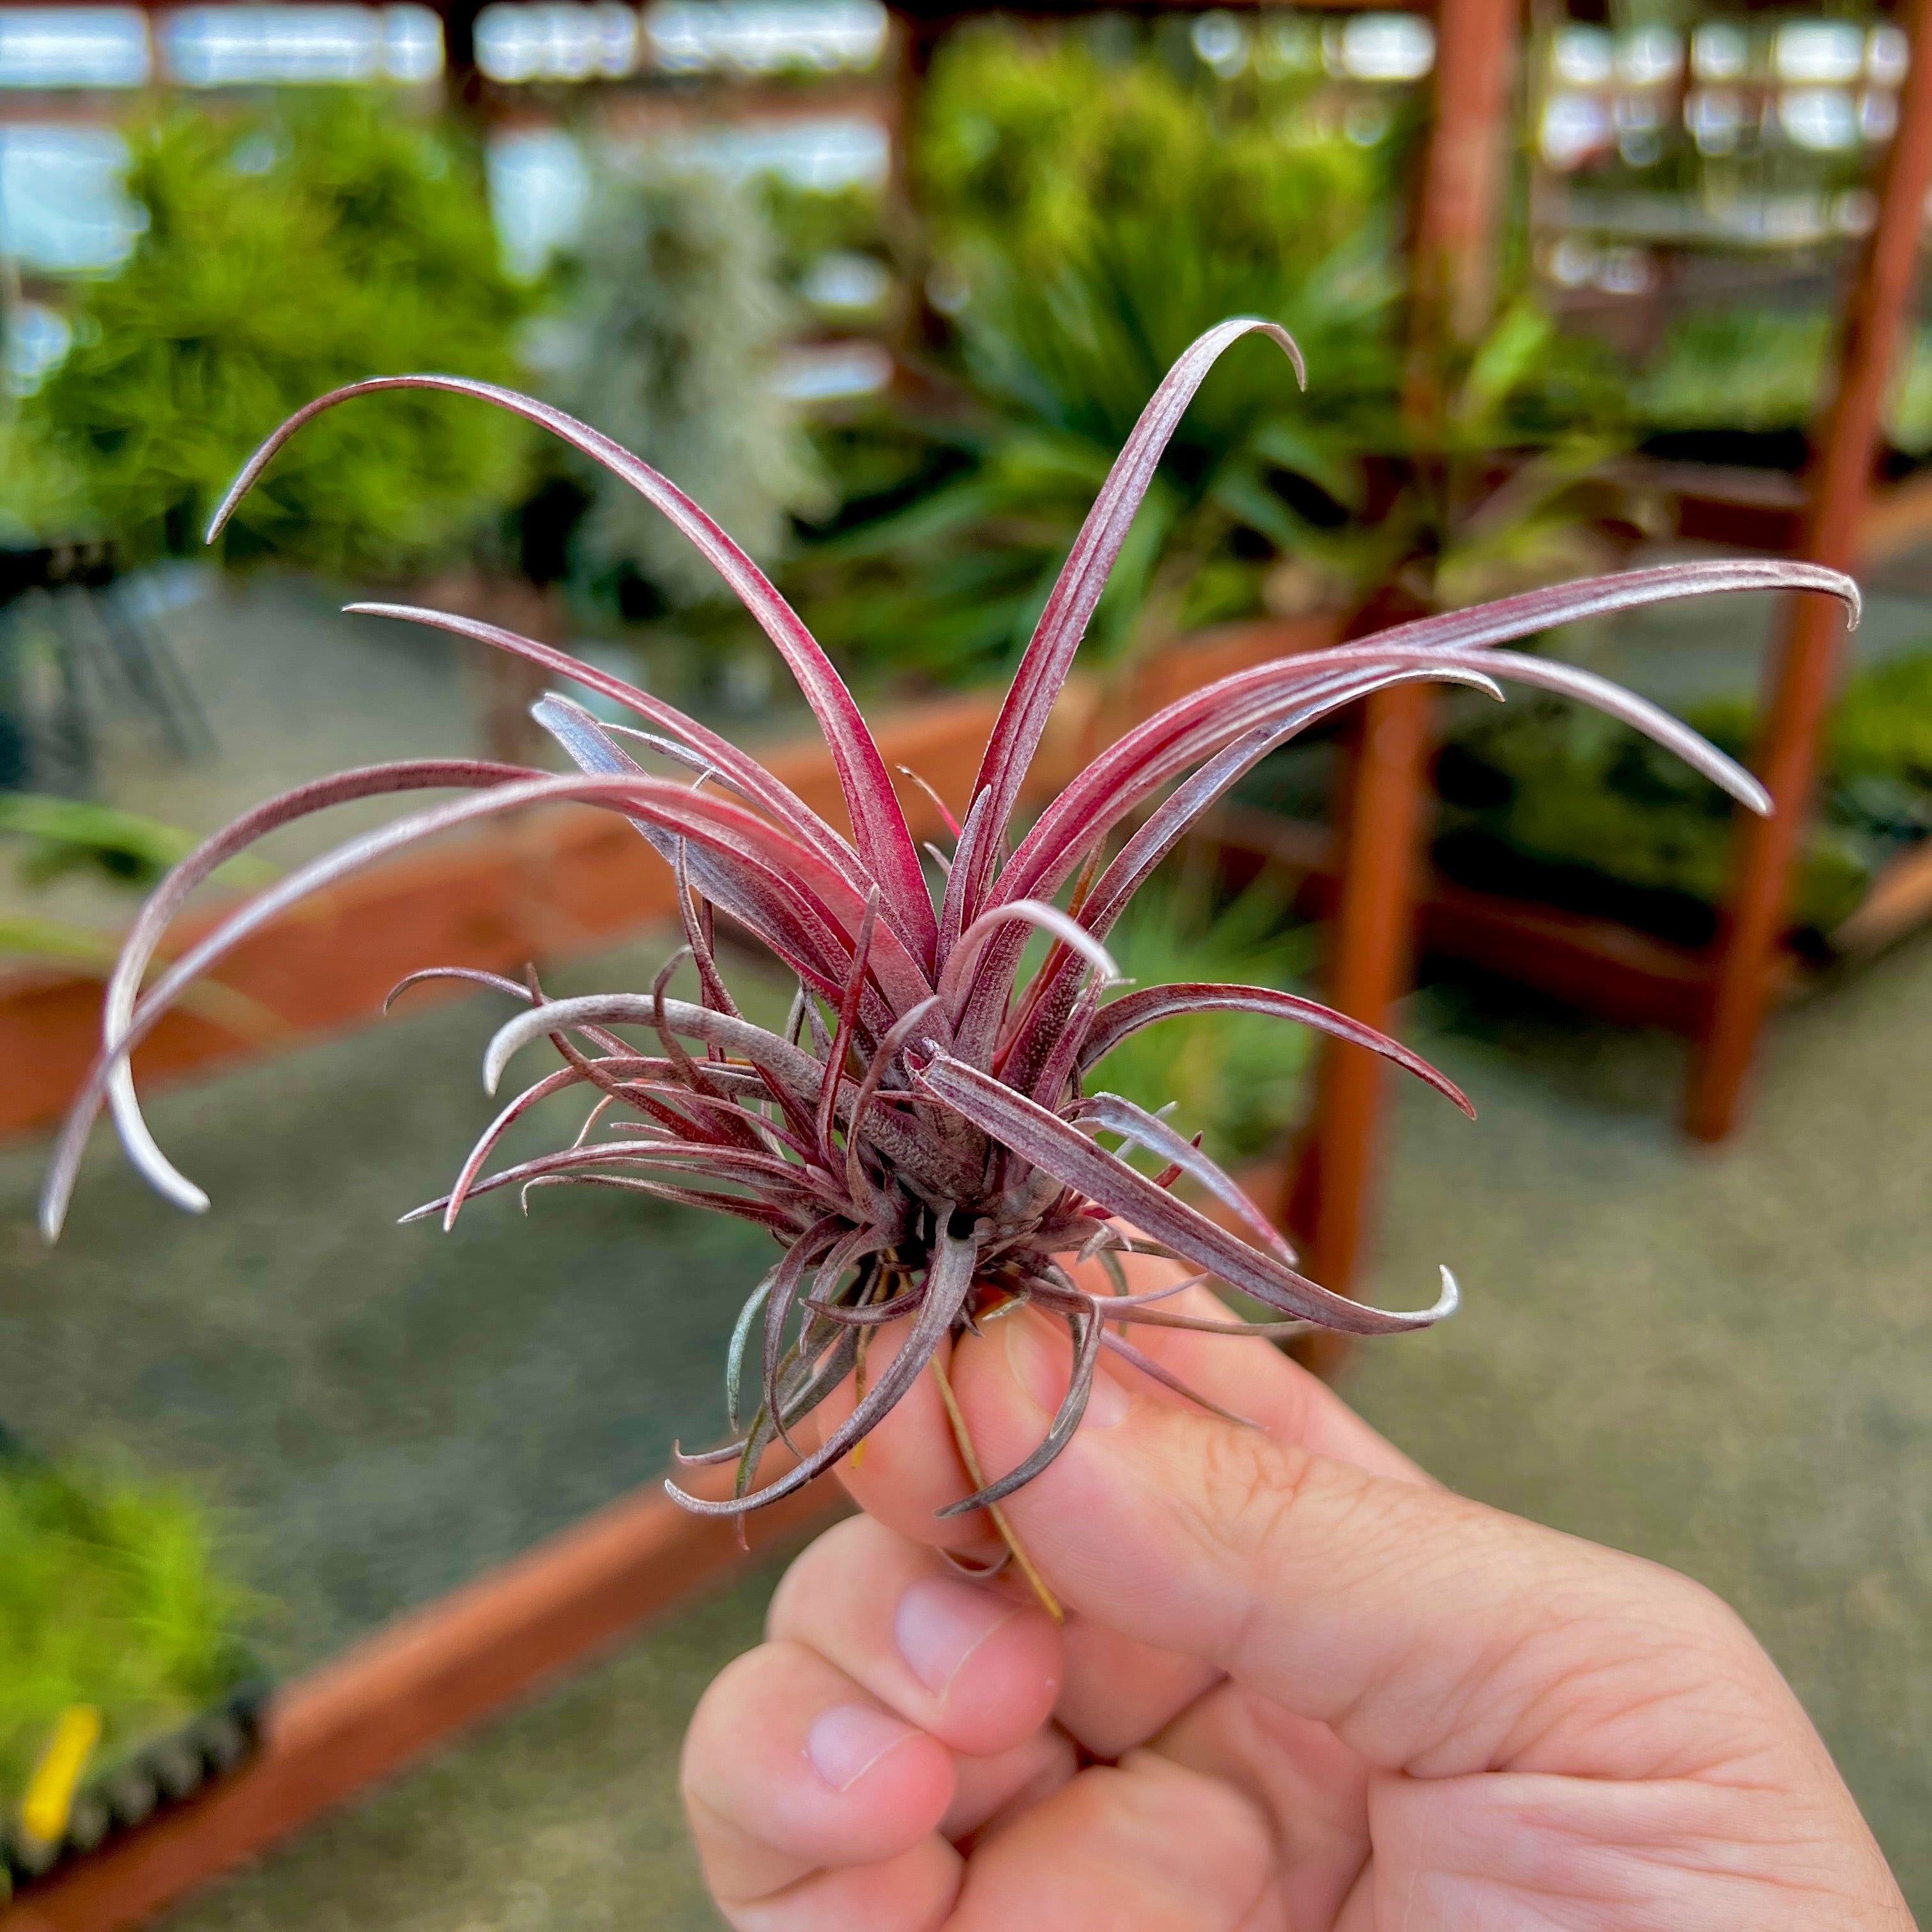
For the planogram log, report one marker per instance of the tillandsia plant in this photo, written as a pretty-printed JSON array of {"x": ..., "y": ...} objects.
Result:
[{"x": 918, "y": 1139}]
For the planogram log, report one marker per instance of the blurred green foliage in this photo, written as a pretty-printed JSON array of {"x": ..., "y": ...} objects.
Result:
[
  {"x": 1559, "y": 787},
  {"x": 1756, "y": 368},
  {"x": 1035, "y": 150},
  {"x": 1089, "y": 216},
  {"x": 676, "y": 318},
  {"x": 1882, "y": 726},
  {"x": 1236, "y": 1078},
  {"x": 43, "y": 492},
  {"x": 110, "y": 1596},
  {"x": 68, "y": 835},
  {"x": 60, "y": 835},
  {"x": 1499, "y": 486},
  {"x": 323, "y": 239}
]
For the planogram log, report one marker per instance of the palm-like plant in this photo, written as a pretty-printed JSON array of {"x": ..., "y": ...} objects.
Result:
[{"x": 917, "y": 1139}]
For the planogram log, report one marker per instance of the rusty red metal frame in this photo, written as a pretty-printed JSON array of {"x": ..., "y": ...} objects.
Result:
[
  {"x": 1457, "y": 207},
  {"x": 1805, "y": 673}
]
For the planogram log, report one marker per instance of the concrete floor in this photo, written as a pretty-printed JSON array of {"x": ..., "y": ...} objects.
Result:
[{"x": 380, "y": 1412}]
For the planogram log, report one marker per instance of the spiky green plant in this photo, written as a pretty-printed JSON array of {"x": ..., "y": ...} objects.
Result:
[
  {"x": 1093, "y": 217},
  {"x": 282, "y": 253},
  {"x": 920, "y": 1141}
]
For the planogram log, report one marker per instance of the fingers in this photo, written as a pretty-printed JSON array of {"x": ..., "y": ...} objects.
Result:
[
  {"x": 820, "y": 1772},
  {"x": 1147, "y": 1847},
  {"x": 1117, "y": 1691},
  {"x": 977, "y": 1667},
  {"x": 1434, "y": 1634},
  {"x": 910, "y": 1467},
  {"x": 800, "y": 1786}
]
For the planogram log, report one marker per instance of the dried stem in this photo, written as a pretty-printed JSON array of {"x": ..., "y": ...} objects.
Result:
[{"x": 1048, "y": 1602}]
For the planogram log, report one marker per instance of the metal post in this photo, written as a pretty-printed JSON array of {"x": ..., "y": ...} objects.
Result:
[
  {"x": 1458, "y": 200},
  {"x": 1804, "y": 675}
]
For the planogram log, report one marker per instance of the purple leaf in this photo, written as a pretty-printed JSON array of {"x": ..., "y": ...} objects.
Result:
[
  {"x": 1073, "y": 1160},
  {"x": 109, "y": 1078},
  {"x": 1049, "y": 656},
  {"x": 949, "y": 1282},
  {"x": 879, "y": 825},
  {"x": 1086, "y": 1331},
  {"x": 1114, "y": 1114},
  {"x": 1146, "y": 1005}
]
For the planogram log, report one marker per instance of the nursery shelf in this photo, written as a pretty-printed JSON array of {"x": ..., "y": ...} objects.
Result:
[
  {"x": 1599, "y": 965},
  {"x": 330, "y": 1735},
  {"x": 1764, "y": 509}
]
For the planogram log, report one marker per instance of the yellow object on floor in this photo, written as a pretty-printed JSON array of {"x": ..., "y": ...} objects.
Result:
[{"x": 50, "y": 1797}]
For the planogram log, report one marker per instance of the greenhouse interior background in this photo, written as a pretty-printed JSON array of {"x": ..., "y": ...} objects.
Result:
[{"x": 886, "y": 290}]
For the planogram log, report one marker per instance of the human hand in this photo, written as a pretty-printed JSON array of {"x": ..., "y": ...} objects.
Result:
[{"x": 1299, "y": 1686}]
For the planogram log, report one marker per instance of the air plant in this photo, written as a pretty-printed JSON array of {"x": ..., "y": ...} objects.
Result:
[{"x": 918, "y": 1139}]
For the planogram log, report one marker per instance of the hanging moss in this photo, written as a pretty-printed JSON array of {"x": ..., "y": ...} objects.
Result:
[{"x": 678, "y": 318}]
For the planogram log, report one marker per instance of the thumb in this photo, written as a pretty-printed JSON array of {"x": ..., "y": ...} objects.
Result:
[{"x": 1433, "y": 1634}]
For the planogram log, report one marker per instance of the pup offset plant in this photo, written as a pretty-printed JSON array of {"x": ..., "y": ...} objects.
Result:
[{"x": 918, "y": 1139}]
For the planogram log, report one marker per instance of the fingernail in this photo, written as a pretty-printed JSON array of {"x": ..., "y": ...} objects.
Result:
[
  {"x": 1041, "y": 1367},
  {"x": 846, "y": 1742},
  {"x": 941, "y": 1622}
]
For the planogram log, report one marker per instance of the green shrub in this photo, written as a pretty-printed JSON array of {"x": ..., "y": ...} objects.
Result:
[
  {"x": 109, "y": 1596},
  {"x": 285, "y": 253},
  {"x": 1033, "y": 148}
]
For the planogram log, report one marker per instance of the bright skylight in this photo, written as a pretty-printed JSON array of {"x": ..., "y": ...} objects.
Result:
[
  {"x": 830, "y": 372},
  {"x": 765, "y": 36},
  {"x": 1385, "y": 47},
  {"x": 237, "y": 45},
  {"x": 538, "y": 186},
  {"x": 827, "y": 154},
  {"x": 74, "y": 46},
  {"x": 62, "y": 206},
  {"x": 563, "y": 42},
  {"x": 36, "y": 338}
]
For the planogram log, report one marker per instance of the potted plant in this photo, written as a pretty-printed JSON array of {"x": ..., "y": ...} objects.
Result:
[
  {"x": 920, "y": 1139},
  {"x": 127, "y": 1685}
]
